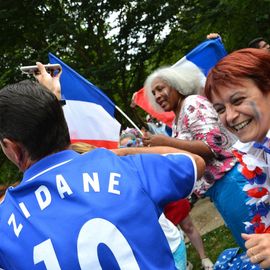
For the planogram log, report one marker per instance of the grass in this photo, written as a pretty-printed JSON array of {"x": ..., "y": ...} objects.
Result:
[{"x": 214, "y": 243}]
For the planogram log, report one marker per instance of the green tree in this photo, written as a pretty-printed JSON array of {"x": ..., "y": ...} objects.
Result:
[
  {"x": 80, "y": 33},
  {"x": 117, "y": 43}
]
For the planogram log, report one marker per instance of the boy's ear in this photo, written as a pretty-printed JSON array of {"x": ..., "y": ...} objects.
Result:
[{"x": 13, "y": 151}]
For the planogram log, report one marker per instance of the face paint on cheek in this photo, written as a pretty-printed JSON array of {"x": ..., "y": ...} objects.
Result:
[{"x": 255, "y": 110}]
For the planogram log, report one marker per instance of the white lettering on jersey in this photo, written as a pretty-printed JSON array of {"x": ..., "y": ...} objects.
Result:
[
  {"x": 16, "y": 229},
  {"x": 94, "y": 182},
  {"x": 89, "y": 238},
  {"x": 44, "y": 200},
  {"x": 113, "y": 183},
  {"x": 44, "y": 197},
  {"x": 24, "y": 210},
  {"x": 44, "y": 252},
  {"x": 62, "y": 186}
]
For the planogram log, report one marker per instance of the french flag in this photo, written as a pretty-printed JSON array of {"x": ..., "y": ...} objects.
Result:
[
  {"x": 203, "y": 57},
  {"x": 88, "y": 111}
]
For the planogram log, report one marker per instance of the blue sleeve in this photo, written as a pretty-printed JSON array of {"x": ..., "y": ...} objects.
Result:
[
  {"x": 3, "y": 265},
  {"x": 166, "y": 178}
]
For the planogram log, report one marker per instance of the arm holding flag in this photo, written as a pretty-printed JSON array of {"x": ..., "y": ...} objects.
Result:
[{"x": 88, "y": 120}]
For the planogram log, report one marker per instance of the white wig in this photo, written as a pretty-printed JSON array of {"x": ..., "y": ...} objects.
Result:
[{"x": 185, "y": 78}]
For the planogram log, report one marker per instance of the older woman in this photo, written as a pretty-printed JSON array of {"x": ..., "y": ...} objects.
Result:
[
  {"x": 197, "y": 128},
  {"x": 239, "y": 88}
]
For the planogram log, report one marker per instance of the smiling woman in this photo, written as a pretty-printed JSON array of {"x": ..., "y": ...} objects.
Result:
[
  {"x": 245, "y": 112},
  {"x": 242, "y": 99},
  {"x": 239, "y": 88}
]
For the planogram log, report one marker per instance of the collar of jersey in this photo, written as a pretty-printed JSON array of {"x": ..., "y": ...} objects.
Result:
[{"x": 48, "y": 163}]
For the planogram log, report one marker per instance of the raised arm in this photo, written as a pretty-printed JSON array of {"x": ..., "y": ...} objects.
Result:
[
  {"x": 195, "y": 146},
  {"x": 162, "y": 150}
]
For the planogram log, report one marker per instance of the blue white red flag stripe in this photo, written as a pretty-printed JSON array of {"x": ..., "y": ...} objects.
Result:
[
  {"x": 205, "y": 55},
  {"x": 89, "y": 112}
]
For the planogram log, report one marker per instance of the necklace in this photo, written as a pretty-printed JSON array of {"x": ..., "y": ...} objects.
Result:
[{"x": 253, "y": 165}]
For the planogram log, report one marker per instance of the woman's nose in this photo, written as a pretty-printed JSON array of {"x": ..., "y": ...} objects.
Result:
[
  {"x": 158, "y": 95},
  {"x": 231, "y": 114}
]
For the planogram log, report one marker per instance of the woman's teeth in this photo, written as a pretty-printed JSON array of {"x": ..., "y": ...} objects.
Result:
[{"x": 241, "y": 125}]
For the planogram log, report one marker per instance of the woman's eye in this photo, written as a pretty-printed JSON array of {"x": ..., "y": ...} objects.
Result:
[
  {"x": 157, "y": 90},
  {"x": 220, "y": 110},
  {"x": 238, "y": 101}
]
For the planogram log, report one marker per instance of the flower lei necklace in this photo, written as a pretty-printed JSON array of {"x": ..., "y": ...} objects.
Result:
[{"x": 254, "y": 167}]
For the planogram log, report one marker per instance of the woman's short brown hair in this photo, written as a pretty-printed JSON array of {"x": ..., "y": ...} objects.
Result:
[{"x": 248, "y": 63}]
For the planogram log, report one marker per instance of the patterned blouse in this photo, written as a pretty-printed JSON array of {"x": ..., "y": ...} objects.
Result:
[{"x": 198, "y": 120}]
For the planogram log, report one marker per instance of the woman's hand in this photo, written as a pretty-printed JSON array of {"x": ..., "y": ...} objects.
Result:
[
  {"x": 258, "y": 248},
  {"x": 153, "y": 140},
  {"x": 50, "y": 81}
]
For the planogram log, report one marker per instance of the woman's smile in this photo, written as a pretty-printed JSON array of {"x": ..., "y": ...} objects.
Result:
[{"x": 244, "y": 110}]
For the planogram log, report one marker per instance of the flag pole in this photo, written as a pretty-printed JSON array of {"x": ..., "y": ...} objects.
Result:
[{"x": 132, "y": 123}]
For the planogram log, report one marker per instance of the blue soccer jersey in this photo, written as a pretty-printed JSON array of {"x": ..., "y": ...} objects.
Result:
[{"x": 92, "y": 211}]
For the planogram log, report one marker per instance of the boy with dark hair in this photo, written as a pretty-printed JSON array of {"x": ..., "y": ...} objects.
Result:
[{"x": 91, "y": 211}]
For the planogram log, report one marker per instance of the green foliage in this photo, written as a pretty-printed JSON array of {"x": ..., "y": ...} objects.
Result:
[
  {"x": 9, "y": 174},
  {"x": 117, "y": 43},
  {"x": 214, "y": 243}
]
